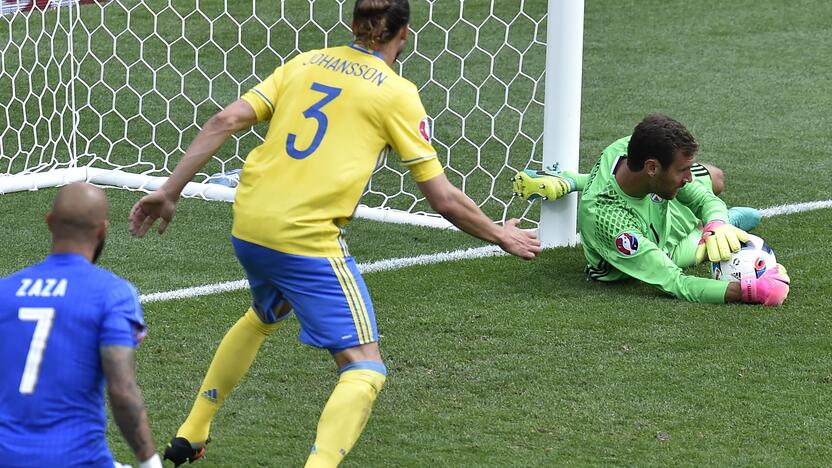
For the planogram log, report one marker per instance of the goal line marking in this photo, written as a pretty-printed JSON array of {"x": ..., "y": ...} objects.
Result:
[
  {"x": 795, "y": 208},
  {"x": 428, "y": 259}
]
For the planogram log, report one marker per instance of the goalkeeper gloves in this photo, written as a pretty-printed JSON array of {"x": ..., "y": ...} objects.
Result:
[
  {"x": 719, "y": 240},
  {"x": 770, "y": 289}
]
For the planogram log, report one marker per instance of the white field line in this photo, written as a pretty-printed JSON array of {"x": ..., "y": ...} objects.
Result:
[
  {"x": 396, "y": 263},
  {"x": 795, "y": 208},
  {"x": 381, "y": 265}
]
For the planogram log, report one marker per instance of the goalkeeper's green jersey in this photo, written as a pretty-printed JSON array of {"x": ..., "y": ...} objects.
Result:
[{"x": 623, "y": 236}]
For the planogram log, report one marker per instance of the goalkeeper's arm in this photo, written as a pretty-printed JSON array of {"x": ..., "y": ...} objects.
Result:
[
  {"x": 649, "y": 264},
  {"x": 652, "y": 266},
  {"x": 719, "y": 237},
  {"x": 702, "y": 202}
]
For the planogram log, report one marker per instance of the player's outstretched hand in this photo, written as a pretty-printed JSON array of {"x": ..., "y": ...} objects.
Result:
[
  {"x": 719, "y": 240},
  {"x": 146, "y": 211},
  {"x": 519, "y": 242},
  {"x": 770, "y": 289}
]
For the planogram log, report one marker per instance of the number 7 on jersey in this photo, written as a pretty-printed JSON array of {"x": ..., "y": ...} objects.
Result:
[{"x": 44, "y": 317}]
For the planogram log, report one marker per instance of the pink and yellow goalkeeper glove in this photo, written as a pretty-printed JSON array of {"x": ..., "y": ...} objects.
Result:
[
  {"x": 719, "y": 240},
  {"x": 770, "y": 289}
]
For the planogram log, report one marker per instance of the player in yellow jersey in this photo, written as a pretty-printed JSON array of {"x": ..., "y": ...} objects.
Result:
[{"x": 333, "y": 114}]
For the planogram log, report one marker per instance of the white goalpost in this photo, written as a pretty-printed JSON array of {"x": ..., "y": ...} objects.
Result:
[
  {"x": 562, "y": 121},
  {"x": 112, "y": 92}
]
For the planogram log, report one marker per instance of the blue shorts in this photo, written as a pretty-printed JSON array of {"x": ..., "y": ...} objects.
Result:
[{"x": 328, "y": 295}]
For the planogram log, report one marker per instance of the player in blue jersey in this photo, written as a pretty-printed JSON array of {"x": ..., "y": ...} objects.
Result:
[
  {"x": 67, "y": 330},
  {"x": 333, "y": 115}
]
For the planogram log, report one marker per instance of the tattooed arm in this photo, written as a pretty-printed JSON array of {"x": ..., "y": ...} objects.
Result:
[{"x": 126, "y": 401}]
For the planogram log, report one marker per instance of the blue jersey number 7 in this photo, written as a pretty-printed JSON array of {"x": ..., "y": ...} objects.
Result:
[{"x": 314, "y": 112}]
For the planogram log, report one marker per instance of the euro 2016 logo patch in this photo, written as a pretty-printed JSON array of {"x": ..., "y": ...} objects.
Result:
[
  {"x": 424, "y": 129},
  {"x": 626, "y": 244}
]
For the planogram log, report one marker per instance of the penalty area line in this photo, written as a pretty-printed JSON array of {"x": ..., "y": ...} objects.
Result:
[{"x": 428, "y": 259}]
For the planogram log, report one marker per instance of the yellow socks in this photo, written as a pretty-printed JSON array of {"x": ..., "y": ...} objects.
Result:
[
  {"x": 231, "y": 362},
  {"x": 346, "y": 413},
  {"x": 342, "y": 420}
]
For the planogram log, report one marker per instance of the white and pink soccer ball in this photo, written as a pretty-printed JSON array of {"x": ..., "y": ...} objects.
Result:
[{"x": 754, "y": 258}]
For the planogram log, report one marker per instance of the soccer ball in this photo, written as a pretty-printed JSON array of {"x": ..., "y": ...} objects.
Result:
[{"x": 754, "y": 258}]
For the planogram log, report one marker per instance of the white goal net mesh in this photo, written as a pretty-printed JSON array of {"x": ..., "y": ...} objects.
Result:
[{"x": 127, "y": 84}]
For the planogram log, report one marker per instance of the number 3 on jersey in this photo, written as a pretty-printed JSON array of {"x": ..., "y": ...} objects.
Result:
[{"x": 313, "y": 112}]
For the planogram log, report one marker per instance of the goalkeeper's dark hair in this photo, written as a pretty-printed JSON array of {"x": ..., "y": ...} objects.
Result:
[
  {"x": 659, "y": 137},
  {"x": 376, "y": 22}
]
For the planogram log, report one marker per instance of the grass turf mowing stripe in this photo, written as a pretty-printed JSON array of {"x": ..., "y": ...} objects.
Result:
[{"x": 396, "y": 263}]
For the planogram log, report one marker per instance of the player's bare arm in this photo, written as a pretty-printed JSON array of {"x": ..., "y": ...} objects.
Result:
[
  {"x": 239, "y": 115},
  {"x": 126, "y": 401},
  {"x": 733, "y": 293},
  {"x": 460, "y": 210}
]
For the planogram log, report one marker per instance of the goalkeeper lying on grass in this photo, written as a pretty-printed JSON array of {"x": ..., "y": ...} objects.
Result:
[{"x": 642, "y": 211}]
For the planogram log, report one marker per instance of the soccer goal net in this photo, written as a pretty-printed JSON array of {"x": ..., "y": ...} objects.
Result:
[{"x": 114, "y": 91}]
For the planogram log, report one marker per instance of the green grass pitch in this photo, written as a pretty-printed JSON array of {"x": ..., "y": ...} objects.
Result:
[{"x": 500, "y": 362}]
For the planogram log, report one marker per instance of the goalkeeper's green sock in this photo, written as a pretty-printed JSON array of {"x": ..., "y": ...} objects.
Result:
[
  {"x": 744, "y": 218},
  {"x": 232, "y": 360},
  {"x": 579, "y": 179}
]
